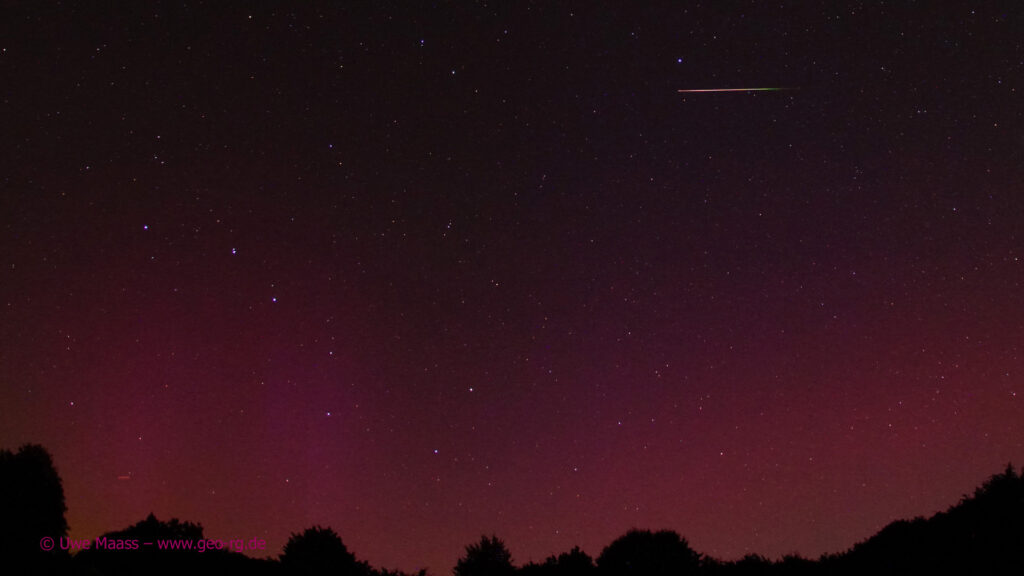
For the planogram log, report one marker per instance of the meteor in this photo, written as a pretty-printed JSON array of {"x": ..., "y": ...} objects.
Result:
[{"x": 736, "y": 90}]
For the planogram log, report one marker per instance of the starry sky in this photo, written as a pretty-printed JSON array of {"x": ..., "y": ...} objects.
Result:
[{"x": 423, "y": 271}]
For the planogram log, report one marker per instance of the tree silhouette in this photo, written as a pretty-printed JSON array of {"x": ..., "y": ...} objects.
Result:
[
  {"x": 982, "y": 534},
  {"x": 386, "y": 572},
  {"x": 320, "y": 551},
  {"x": 646, "y": 553},
  {"x": 572, "y": 563},
  {"x": 137, "y": 550},
  {"x": 754, "y": 565},
  {"x": 796, "y": 565},
  {"x": 488, "y": 557},
  {"x": 575, "y": 562},
  {"x": 31, "y": 507},
  {"x": 151, "y": 529}
]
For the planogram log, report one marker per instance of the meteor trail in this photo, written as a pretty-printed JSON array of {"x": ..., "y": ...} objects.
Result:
[{"x": 736, "y": 90}]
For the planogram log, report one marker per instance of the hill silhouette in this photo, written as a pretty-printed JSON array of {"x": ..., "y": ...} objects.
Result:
[{"x": 983, "y": 533}]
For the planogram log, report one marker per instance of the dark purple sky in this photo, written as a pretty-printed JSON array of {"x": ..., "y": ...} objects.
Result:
[{"x": 425, "y": 273}]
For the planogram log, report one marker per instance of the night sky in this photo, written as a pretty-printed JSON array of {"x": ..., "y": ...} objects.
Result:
[{"x": 423, "y": 271}]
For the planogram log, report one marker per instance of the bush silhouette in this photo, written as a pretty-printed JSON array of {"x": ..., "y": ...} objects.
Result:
[
  {"x": 320, "y": 551},
  {"x": 646, "y": 553},
  {"x": 120, "y": 555},
  {"x": 488, "y": 557},
  {"x": 151, "y": 529},
  {"x": 572, "y": 563}
]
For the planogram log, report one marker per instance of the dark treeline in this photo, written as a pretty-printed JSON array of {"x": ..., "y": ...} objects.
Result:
[{"x": 981, "y": 534}]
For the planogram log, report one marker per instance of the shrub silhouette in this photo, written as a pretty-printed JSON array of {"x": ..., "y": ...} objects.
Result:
[
  {"x": 572, "y": 563},
  {"x": 646, "y": 553},
  {"x": 488, "y": 557},
  {"x": 146, "y": 557},
  {"x": 754, "y": 565},
  {"x": 151, "y": 529},
  {"x": 320, "y": 551}
]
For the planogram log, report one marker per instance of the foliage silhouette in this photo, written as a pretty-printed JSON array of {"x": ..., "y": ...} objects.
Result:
[
  {"x": 134, "y": 550},
  {"x": 754, "y": 564},
  {"x": 31, "y": 508},
  {"x": 386, "y": 572},
  {"x": 646, "y": 553},
  {"x": 488, "y": 557},
  {"x": 572, "y": 563},
  {"x": 981, "y": 534},
  {"x": 320, "y": 551}
]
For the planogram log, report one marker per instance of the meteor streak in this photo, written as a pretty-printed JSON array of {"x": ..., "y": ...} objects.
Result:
[{"x": 736, "y": 90}]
